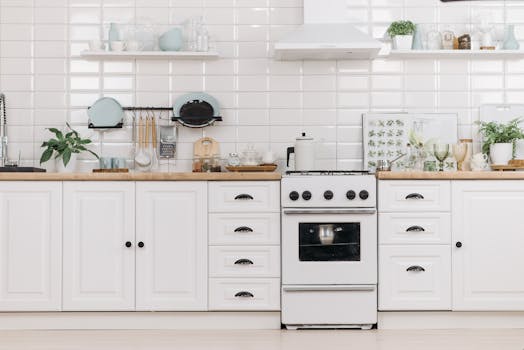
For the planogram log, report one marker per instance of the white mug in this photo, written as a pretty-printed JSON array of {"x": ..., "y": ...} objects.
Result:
[
  {"x": 117, "y": 46},
  {"x": 133, "y": 45},
  {"x": 96, "y": 45},
  {"x": 268, "y": 158}
]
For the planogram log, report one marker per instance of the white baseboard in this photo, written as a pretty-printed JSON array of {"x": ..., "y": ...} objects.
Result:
[
  {"x": 139, "y": 320},
  {"x": 450, "y": 320}
]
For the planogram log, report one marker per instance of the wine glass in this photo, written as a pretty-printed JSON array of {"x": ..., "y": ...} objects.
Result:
[
  {"x": 441, "y": 152},
  {"x": 459, "y": 152}
]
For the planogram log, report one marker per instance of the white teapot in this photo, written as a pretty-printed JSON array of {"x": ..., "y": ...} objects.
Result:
[{"x": 479, "y": 162}]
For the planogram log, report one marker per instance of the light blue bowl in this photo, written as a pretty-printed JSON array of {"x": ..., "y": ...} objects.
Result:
[{"x": 171, "y": 40}]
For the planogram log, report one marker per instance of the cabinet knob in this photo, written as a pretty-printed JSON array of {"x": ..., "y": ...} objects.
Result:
[
  {"x": 415, "y": 268},
  {"x": 415, "y": 229},
  {"x": 244, "y": 229},
  {"x": 244, "y": 295},
  {"x": 458, "y": 244},
  {"x": 244, "y": 197},
  {"x": 243, "y": 262},
  {"x": 416, "y": 196},
  {"x": 129, "y": 244},
  {"x": 141, "y": 245}
]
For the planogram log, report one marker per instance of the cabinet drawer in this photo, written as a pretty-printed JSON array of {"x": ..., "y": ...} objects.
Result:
[
  {"x": 244, "y": 261},
  {"x": 244, "y": 229},
  {"x": 409, "y": 196},
  {"x": 414, "y": 228},
  {"x": 253, "y": 196},
  {"x": 414, "y": 278},
  {"x": 244, "y": 294}
]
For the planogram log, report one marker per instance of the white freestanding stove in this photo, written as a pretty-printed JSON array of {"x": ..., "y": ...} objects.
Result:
[{"x": 329, "y": 250}]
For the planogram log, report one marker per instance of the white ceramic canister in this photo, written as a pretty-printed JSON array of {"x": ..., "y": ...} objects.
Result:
[{"x": 304, "y": 151}]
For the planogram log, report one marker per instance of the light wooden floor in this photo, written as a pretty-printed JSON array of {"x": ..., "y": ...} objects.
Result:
[{"x": 264, "y": 340}]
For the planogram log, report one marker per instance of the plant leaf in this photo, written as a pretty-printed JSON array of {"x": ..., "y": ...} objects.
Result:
[
  {"x": 66, "y": 157},
  {"x": 48, "y": 153}
]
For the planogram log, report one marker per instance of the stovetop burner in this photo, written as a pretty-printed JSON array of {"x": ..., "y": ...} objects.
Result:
[{"x": 327, "y": 172}]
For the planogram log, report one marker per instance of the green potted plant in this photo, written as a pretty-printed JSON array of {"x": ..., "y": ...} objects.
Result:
[
  {"x": 65, "y": 148},
  {"x": 498, "y": 139},
  {"x": 402, "y": 34}
]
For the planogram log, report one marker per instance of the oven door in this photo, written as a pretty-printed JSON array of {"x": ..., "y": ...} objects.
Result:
[{"x": 329, "y": 246}]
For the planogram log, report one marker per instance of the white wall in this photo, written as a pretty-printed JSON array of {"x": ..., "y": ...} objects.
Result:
[{"x": 264, "y": 101}]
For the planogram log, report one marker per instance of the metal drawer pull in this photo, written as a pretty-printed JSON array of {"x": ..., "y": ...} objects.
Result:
[
  {"x": 415, "y": 229},
  {"x": 244, "y": 197},
  {"x": 243, "y": 262},
  {"x": 415, "y": 269},
  {"x": 416, "y": 196},
  {"x": 357, "y": 288},
  {"x": 243, "y": 229},
  {"x": 244, "y": 295}
]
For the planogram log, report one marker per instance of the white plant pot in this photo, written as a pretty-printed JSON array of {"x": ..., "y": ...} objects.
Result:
[
  {"x": 71, "y": 166},
  {"x": 402, "y": 42},
  {"x": 519, "y": 149},
  {"x": 501, "y": 153}
]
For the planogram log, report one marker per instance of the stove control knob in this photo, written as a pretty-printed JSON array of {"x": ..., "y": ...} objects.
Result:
[
  {"x": 351, "y": 195},
  {"x": 328, "y": 195},
  {"x": 294, "y": 196},
  {"x": 363, "y": 195},
  {"x": 306, "y": 195}
]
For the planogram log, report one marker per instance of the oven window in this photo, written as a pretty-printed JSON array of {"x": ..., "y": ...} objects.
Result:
[{"x": 329, "y": 242}]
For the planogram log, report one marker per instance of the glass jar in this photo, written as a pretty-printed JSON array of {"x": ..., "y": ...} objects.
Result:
[{"x": 233, "y": 159}]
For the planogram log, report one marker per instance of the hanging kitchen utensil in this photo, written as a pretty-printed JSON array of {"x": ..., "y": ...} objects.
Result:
[
  {"x": 142, "y": 159},
  {"x": 154, "y": 142},
  {"x": 106, "y": 113},
  {"x": 196, "y": 110}
]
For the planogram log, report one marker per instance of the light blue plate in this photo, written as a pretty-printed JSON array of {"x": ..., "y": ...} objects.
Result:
[{"x": 106, "y": 112}]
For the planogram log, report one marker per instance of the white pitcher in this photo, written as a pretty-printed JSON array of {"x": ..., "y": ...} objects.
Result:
[{"x": 304, "y": 151}]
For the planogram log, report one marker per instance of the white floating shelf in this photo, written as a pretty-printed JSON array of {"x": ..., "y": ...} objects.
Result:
[
  {"x": 157, "y": 55},
  {"x": 456, "y": 54}
]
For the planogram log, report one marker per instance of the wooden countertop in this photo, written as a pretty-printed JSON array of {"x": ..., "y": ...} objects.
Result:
[
  {"x": 141, "y": 177},
  {"x": 458, "y": 175}
]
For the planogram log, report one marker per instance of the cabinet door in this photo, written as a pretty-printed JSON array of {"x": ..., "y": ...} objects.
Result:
[
  {"x": 99, "y": 269},
  {"x": 30, "y": 246},
  {"x": 488, "y": 270},
  {"x": 172, "y": 264},
  {"x": 415, "y": 277}
]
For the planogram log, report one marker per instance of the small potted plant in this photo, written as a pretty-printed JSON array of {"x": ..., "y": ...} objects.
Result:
[
  {"x": 499, "y": 138},
  {"x": 65, "y": 149},
  {"x": 402, "y": 34}
]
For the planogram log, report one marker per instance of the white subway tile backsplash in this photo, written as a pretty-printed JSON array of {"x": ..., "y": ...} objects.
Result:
[{"x": 264, "y": 102}]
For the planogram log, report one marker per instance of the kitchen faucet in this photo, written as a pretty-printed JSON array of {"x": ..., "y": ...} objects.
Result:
[{"x": 3, "y": 131}]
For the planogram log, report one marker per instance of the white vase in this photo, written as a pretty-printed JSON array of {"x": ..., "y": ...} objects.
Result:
[
  {"x": 501, "y": 153},
  {"x": 402, "y": 42},
  {"x": 71, "y": 166}
]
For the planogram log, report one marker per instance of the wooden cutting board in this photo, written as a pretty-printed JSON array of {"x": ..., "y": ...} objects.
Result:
[{"x": 206, "y": 147}]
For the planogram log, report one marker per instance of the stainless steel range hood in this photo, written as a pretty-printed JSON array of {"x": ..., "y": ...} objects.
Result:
[{"x": 326, "y": 34}]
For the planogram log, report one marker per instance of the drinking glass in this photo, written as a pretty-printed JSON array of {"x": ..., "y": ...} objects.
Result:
[
  {"x": 441, "y": 152},
  {"x": 459, "y": 152}
]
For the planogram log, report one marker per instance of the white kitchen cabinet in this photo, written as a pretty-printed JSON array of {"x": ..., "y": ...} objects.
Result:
[
  {"x": 415, "y": 277},
  {"x": 99, "y": 269},
  {"x": 244, "y": 196},
  {"x": 171, "y": 253},
  {"x": 414, "y": 196},
  {"x": 30, "y": 246},
  {"x": 488, "y": 268}
]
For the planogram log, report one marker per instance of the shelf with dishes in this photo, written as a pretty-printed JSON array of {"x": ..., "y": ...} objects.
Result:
[
  {"x": 455, "y": 54},
  {"x": 160, "y": 55}
]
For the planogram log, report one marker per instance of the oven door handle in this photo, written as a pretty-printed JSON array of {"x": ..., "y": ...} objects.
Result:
[
  {"x": 298, "y": 211},
  {"x": 359, "y": 288}
]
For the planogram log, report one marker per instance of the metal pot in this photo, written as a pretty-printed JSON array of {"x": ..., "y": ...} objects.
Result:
[
  {"x": 326, "y": 233},
  {"x": 385, "y": 165}
]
